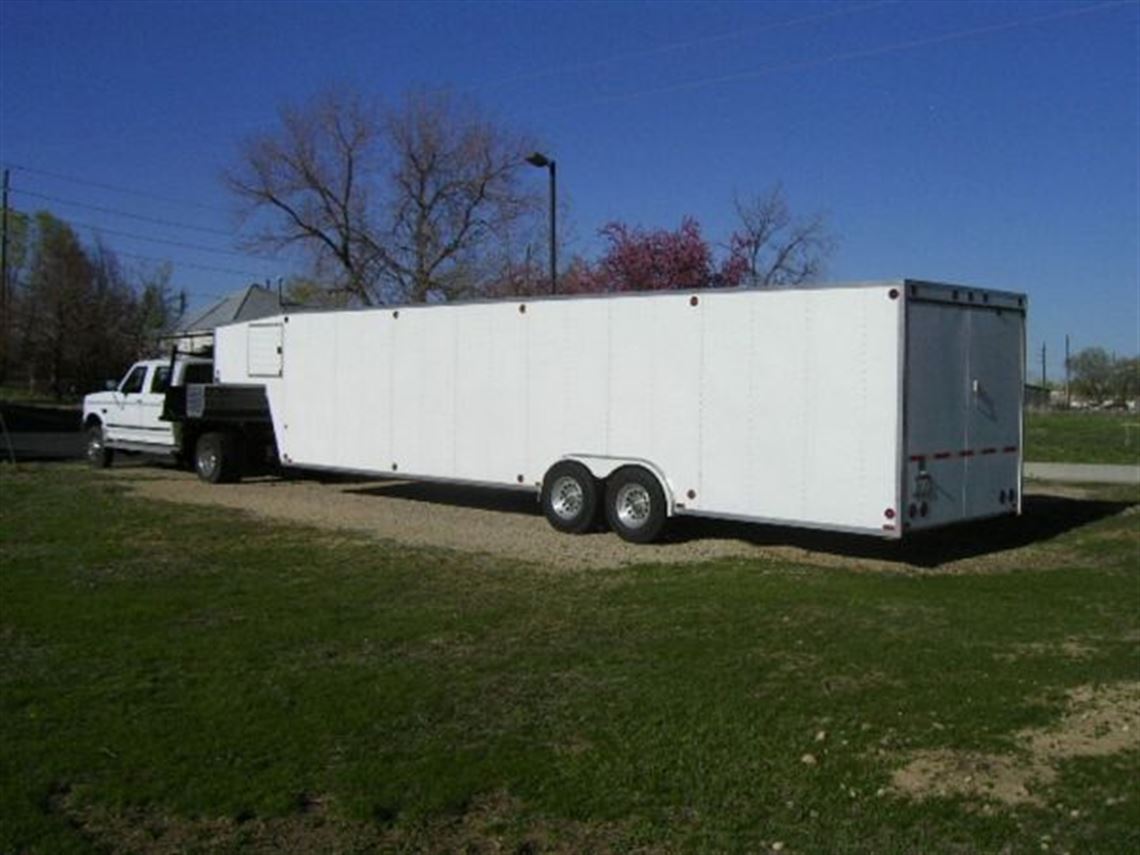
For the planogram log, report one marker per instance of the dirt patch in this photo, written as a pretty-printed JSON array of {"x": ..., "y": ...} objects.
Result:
[
  {"x": 509, "y": 524},
  {"x": 1067, "y": 649},
  {"x": 1097, "y": 722}
]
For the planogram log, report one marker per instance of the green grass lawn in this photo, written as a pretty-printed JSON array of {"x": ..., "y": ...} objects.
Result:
[
  {"x": 1079, "y": 437},
  {"x": 184, "y": 679}
]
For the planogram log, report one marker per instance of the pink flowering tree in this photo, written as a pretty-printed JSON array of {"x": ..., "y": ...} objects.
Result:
[{"x": 653, "y": 260}]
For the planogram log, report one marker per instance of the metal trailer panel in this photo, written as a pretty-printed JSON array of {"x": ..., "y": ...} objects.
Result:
[
  {"x": 965, "y": 358},
  {"x": 776, "y": 405}
]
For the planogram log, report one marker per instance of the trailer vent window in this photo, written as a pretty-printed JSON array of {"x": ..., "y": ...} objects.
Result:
[{"x": 263, "y": 352}]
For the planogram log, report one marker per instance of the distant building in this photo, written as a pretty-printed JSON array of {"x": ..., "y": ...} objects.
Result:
[
  {"x": 195, "y": 333},
  {"x": 1036, "y": 397}
]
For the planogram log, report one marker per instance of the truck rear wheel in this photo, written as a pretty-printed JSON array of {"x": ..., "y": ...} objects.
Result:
[
  {"x": 635, "y": 505},
  {"x": 98, "y": 455},
  {"x": 570, "y": 497},
  {"x": 218, "y": 457}
]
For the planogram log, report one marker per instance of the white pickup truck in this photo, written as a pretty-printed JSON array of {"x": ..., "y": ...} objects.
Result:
[{"x": 128, "y": 416}]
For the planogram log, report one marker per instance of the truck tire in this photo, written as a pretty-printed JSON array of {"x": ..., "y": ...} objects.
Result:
[
  {"x": 218, "y": 457},
  {"x": 570, "y": 497},
  {"x": 635, "y": 504},
  {"x": 98, "y": 455}
]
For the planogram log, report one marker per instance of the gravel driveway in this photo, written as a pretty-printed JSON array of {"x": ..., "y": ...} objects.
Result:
[
  {"x": 510, "y": 524},
  {"x": 472, "y": 519}
]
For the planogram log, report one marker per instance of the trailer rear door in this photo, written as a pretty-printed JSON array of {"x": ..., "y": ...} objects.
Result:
[{"x": 964, "y": 377}]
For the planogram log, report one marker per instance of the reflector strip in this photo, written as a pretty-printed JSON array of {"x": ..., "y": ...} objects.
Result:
[{"x": 965, "y": 452}]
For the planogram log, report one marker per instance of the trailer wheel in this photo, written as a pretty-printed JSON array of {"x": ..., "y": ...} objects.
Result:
[
  {"x": 635, "y": 505},
  {"x": 98, "y": 455},
  {"x": 218, "y": 458},
  {"x": 570, "y": 497}
]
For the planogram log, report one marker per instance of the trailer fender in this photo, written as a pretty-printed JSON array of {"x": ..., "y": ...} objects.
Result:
[{"x": 602, "y": 466}]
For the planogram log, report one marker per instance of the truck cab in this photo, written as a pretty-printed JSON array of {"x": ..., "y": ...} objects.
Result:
[{"x": 127, "y": 416}]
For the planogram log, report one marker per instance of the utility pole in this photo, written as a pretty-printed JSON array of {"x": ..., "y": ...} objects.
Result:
[
  {"x": 5, "y": 301},
  {"x": 1068, "y": 396},
  {"x": 541, "y": 160},
  {"x": 1044, "y": 379}
]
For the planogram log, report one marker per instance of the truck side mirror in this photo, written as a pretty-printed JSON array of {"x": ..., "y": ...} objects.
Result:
[{"x": 110, "y": 385}]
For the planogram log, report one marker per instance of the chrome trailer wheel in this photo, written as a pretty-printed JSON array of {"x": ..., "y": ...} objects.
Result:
[
  {"x": 570, "y": 497},
  {"x": 635, "y": 504}
]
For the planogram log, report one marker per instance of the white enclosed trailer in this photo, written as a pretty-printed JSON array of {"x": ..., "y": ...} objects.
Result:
[{"x": 878, "y": 408}]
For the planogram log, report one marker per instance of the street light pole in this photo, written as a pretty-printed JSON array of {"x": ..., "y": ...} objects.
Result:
[{"x": 541, "y": 160}]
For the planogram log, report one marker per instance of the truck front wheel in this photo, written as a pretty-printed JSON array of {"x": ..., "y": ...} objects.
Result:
[
  {"x": 218, "y": 458},
  {"x": 98, "y": 455},
  {"x": 635, "y": 505}
]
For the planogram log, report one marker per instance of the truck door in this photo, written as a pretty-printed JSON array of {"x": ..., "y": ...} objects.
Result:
[
  {"x": 124, "y": 417},
  {"x": 151, "y": 427}
]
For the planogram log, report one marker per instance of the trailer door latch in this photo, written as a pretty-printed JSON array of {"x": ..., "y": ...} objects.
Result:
[{"x": 923, "y": 485}]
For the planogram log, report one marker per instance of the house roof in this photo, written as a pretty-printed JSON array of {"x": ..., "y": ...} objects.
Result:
[{"x": 254, "y": 301}]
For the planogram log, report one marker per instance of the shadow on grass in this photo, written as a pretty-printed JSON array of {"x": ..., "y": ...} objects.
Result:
[{"x": 1043, "y": 518}]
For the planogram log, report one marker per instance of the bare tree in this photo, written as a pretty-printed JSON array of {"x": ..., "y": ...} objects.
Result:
[
  {"x": 316, "y": 175},
  {"x": 456, "y": 177},
  {"x": 775, "y": 247},
  {"x": 401, "y": 204}
]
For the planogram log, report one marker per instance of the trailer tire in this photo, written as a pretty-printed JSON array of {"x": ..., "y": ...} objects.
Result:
[
  {"x": 570, "y": 497},
  {"x": 218, "y": 457},
  {"x": 98, "y": 455},
  {"x": 635, "y": 504}
]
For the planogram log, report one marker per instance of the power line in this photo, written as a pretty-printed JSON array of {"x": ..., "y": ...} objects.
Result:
[
  {"x": 206, "y": 267},
  {"x": 182, "y": 245},
  {"x": 157, "y": 221},
  {"x": 681, "y": 45},
  {"x": 117, "y": 213},
  {"x": 114, "y": 188},
  {"x": 926, "y": 41}
]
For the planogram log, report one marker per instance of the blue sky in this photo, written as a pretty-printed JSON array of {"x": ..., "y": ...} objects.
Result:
[{"x": 995, "y": 144}]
